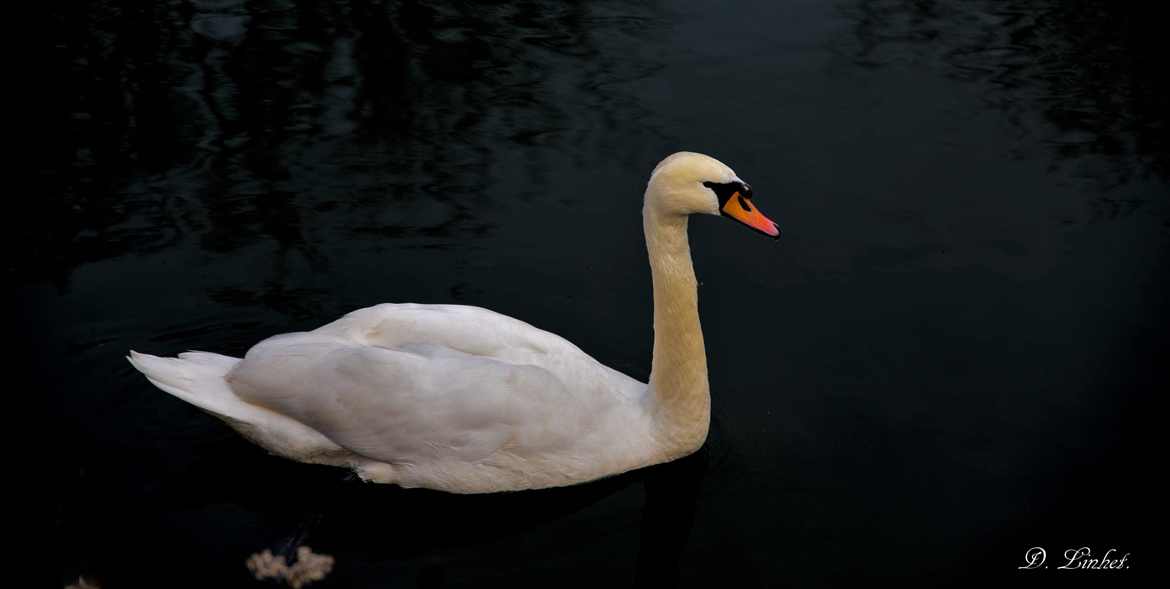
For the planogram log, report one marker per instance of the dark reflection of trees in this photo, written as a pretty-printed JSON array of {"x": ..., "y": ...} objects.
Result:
[
  {"x": 230, "y": 121},
  {"x": 1092, "y": 69}
]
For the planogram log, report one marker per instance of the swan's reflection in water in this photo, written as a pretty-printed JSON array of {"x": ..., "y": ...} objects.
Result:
[
  {"x": 439, "y": 533},
  {"x": 632, "y": 529},
  {"x": 672, "y": 497}
]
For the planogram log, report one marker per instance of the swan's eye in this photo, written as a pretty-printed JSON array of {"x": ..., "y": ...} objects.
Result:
[{"x": 725, "y": 190}]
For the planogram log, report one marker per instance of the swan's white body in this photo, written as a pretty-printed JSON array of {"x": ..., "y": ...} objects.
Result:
[
  {"x": 467, "y": 400},
  {"x": 440, "y": 396}
]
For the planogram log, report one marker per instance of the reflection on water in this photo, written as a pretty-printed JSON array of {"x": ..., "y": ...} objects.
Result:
[
  {"x": 951, "y": 350},
  {"x": 231, "y": 120},
  {"x": 1083, "y": 77}
]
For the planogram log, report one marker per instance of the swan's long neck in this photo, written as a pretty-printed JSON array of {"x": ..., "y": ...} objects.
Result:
[{"x": 678, "y": 373}]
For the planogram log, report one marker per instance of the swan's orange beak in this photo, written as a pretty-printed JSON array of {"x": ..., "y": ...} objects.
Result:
[{"x": 741, "y": 209}]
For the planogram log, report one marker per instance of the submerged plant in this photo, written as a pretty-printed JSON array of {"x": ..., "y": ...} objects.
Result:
[{"x": 308, "y": 567}]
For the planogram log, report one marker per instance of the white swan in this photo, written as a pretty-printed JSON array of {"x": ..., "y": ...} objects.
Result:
[{"x": 466, "y": 400}]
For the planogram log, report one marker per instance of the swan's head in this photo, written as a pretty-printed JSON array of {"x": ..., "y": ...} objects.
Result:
[{"x": 686, "y": 183}]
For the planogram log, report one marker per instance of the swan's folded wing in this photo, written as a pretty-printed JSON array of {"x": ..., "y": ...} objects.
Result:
[
  {"x": 480, "y": 332},
  {"x": 472, "y": 330},
  {"x": 419, "y": 403}
]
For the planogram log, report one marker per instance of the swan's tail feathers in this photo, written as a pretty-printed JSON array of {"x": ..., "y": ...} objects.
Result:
[
  {"x": 200, "y": 378},
  {"x": 197, "y": 378}
]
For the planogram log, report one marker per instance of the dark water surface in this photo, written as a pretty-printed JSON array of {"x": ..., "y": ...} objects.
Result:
[{"x": 951, "y": 356}]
